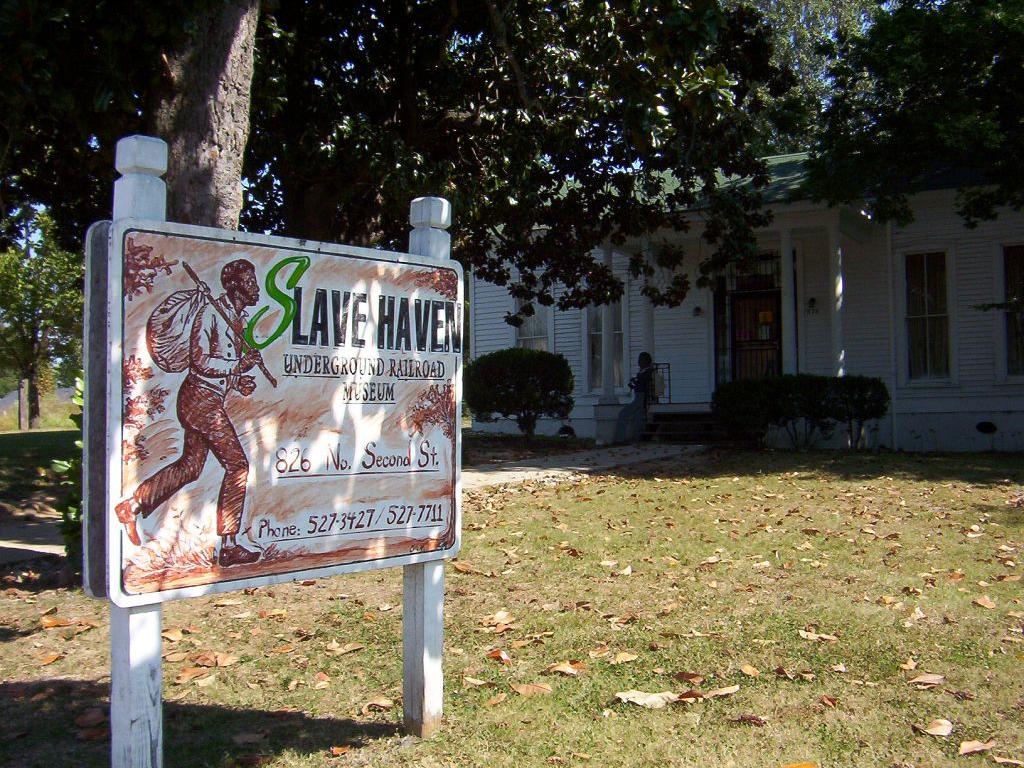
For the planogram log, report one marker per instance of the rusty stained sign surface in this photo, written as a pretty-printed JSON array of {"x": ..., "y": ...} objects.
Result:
[{"x": 276, "y": 409}]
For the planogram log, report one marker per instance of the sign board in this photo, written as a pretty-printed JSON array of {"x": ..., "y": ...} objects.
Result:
[{"x": 277, "y": 409}]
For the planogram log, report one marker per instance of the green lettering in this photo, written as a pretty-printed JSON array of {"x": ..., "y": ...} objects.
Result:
[{"x": 277, "y": 294}]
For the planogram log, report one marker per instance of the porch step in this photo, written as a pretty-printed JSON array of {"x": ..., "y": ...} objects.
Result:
[{"x": 698, "y": 428}]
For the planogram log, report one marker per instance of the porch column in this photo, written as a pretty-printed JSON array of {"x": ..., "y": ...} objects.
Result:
[
  {"x": 648, "y": 313},
  {"x": 789, "y": 361},
  {"x": 607, "y": 345},
  {"x": 836, "y": 299}
]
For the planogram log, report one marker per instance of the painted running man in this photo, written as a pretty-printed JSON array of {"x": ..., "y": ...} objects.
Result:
[{"x": 217, "y": 363}]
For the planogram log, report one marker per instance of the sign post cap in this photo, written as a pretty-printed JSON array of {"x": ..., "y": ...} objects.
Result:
[
  {"x": 430, "y": 212},
  {"x": 141, "y": 154}
]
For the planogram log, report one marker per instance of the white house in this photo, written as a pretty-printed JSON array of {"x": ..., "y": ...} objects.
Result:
[{"x": 835, "y": 293}]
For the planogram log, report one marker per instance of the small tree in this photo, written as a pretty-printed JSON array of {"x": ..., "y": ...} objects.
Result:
[
  {"x": 40, "y": 304},
  {"x": 519, "y": 383}
]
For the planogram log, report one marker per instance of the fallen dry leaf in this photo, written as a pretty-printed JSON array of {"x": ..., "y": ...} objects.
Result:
[
  {"x": 500, "y": 656},
  {"x": 749, "y": 719},
  {"x": 939, "y": 727},
  {"x": 191, "y": 673},
  {"x": 750, "y": 671},
  {"x": 800, "y": 765},
  {"x": 599, "y": 652},
  {"x": 340, "y": 750},
  {"x": 828, "y": 701},
  {"x": 909, "y": 665},
  {"x": 472, "y": 682},
  {"x": 727, "y": 691},
  {"x": 1006, "y": 761},
  {"x": 334, "y": 649},
  {"x": 623, "y": 657},
  {"x": 378, "y": 704},
  {"x": 974, "y": 747},
  {"x": 927, "y": 680},
  {"x": 99, "y": 733},
  {"x": 91, "y": 718},
  {"x": 647, "y": 700},
  {"x": 47, "y": 659},
  {"x": 689, "y": 678},
  {"x": 817, "y": 636},
  {"x": 202, "y": 682},
  {"x": 985, "y": 602},
  {"x": 569, "y": 668},
  {"x": 531, "y": 689},
  {"x": 496, "y": 699},
  {"x": 172, "y": 635},
  {"x": 50, "y": 622}
]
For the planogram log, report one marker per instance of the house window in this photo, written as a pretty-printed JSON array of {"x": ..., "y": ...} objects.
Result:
[
  {"x": 927, "y": 317},
  {"x": 1013, "y": 284},
  {"x": 533, "y": 333},
  {"x": 594, "y": 344}
]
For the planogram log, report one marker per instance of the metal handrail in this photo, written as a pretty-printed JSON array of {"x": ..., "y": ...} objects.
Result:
[{"x": 667, "y": 376}]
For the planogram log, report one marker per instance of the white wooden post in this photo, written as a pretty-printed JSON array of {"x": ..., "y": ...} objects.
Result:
[
  {"x": 136, "y": 673},
  {"x": 648, "y": 310},
  {"x": 423, "y": 583},
  {"x": 788, "y": 325},
  {"x": 836, "y": 299},
  {"x": 607, "y": 345}
]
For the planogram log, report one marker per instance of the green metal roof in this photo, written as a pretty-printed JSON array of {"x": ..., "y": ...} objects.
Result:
[{"x": 786, "y": 173}]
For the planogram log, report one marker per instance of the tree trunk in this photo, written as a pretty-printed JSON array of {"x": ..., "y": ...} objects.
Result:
[
  {"x": 33, "y": 398},
  {"x": 203, "y": 115},
  {"x": 22, "y": 404}
]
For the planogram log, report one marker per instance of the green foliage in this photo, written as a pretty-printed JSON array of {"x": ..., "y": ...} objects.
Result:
[
  {"x": 69, "y": 474},
  {"x": 928, "y": 95},
  {"x": 519, "y": 383},
  {"x": 801, "y": 405},
  {"x": 801, "y": 31},
  {"x": 856, "y": 400},
  {"x": 74, "y": 78},
  {"x": 805, "y": 406},
  {"x": 742, "y": 408},
  {"x": 40, "y": 304},
  {"x": 551, "y": 127}
]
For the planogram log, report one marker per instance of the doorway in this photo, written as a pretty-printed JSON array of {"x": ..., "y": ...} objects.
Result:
[
  {"x": 748, "y": 320},
  {"x": 756, "y": 337}
]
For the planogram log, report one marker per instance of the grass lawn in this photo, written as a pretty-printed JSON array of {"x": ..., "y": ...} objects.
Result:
[
  {"x": 483, "y": 448},
  {"x": 829, "y": 576}
]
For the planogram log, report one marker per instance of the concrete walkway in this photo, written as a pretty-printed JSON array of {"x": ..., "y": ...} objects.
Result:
[
  {"x": 23, "y": 537},
  {"x": 569, "y": 464},
  {"x": 32, "y": 535}
]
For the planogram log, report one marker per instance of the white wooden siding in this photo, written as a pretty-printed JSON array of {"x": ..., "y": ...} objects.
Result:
[{"x": 814, "y": 334}]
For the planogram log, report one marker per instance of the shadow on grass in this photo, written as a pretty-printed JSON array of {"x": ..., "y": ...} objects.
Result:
[
  {"x": 37, "y": 730},
  {"x": 37, "y": 574},
  {"x": 984, "y": 469}
]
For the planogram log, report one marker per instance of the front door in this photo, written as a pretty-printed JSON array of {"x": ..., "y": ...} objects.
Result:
[{"x": 756, "y": 338}]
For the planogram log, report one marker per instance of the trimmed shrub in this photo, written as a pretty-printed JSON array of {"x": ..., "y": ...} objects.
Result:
[
  {"x": 805, "y": 406},
  {"x": 523, "y": 384},
  {"x": 799, "y": 405},
  {"x": 856, "y": 400},
  {"x": 743, "y": 409}
]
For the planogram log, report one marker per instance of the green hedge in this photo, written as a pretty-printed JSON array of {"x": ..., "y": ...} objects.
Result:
[{"x": 805, "y": 406}]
